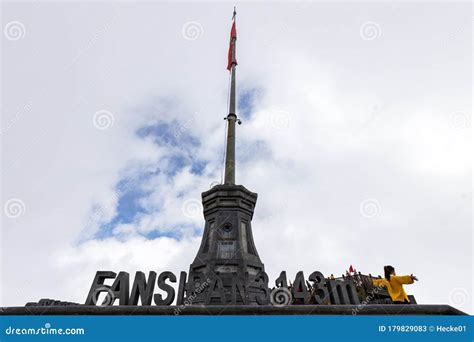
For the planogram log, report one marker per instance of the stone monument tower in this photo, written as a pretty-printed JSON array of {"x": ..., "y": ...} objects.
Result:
[{"x": 227, "y": 250}]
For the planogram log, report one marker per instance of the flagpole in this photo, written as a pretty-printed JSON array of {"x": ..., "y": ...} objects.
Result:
[
  {"x": 231, "y": 119},
  {"x": 234, "y": 63}
]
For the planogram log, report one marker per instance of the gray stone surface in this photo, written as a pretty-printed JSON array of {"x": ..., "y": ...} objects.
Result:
[
  {"x": 227, "y": 252},
  {"x": 236, "y": 310}
]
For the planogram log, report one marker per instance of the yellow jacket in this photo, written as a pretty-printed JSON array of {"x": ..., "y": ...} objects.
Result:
[{"x": 395, "y": 286}]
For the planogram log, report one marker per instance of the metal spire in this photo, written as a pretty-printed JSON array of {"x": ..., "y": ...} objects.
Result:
[{"x": 232, "y": 116}]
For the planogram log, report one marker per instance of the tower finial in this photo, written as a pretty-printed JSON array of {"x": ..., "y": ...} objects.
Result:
[{"x": 232, "y": 116}]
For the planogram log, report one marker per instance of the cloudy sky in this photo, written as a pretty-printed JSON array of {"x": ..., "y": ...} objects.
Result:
[{"x": 356, "y": 135}]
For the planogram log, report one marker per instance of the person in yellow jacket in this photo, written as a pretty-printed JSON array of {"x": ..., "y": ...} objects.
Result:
[{"x": 394, "y": 285}]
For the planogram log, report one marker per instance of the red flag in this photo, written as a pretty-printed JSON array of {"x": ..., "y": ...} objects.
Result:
[
  {"x": 230, "y": 55},
  {"x": 351, "y": 269}
]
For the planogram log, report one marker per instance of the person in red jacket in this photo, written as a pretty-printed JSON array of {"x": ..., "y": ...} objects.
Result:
[{"x": 394, "y": 284}]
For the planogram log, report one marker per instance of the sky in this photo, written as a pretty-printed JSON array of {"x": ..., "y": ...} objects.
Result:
[{"x": 356, "y": 135}]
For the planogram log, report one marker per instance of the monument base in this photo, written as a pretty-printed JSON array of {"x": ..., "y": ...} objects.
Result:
[{"x": 379, "y": 309}]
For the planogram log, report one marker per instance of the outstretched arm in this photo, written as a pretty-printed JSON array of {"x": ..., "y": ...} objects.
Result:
[{"x": 407, "y": 279}]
